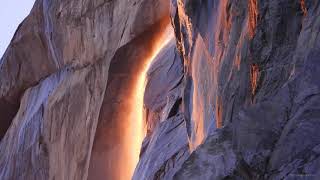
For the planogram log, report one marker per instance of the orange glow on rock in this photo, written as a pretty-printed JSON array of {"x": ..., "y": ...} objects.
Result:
[
  {"x": 303, "y": 7},
  {"x": 197, "y": 116},
  {"x": 218, "y": 113},
  {"x": 186, "y": 21},
  {"x": 253, "y": 17},
  {"x": 254, "y": 73},
  {"x": 136, "y": 129}
]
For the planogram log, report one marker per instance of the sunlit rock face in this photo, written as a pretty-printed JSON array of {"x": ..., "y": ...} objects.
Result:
[
  {"x": 231, "y": 92},
  {"x": 53, "y": 80},
  {"x": 166, "y": 146},
  {"x": 122, "y": 122},
  {"x": 252, "y": 85}
]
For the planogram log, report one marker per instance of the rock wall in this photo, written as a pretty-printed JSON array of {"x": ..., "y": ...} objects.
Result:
[
  {"x": 234, "y": 96},
  {"x": 109, "y": 150},
  {"x": 53, "y": 78},
  {"x": 251, "y": 70},
  {"x": 166, "y": 146}
]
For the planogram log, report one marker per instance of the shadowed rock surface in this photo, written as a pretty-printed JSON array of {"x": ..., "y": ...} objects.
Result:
[
  {"x": 260, "y": 76},
  {"x": 235, "y": 95},
  {"x": 53, "y": 78},
  {"x": 166, "y": 146}
]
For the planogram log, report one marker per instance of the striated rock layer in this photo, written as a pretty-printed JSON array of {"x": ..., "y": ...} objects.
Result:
[
  {"x": 166, "y": 146},
  {"x": 234, "y": 96},
  {"x": 53, "y": 80},
  {"x": 251, "y": 88}
]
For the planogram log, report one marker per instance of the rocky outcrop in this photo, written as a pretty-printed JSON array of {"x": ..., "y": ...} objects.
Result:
[
  {"x": 40, "y": 143},
  {"x": 53, "y": 78},
  {"x": 234, "y": 95},
  {"x": 258, "y": 83},
  {"x": 209, "y": 160},
  {"x": 166, "y": 146}
]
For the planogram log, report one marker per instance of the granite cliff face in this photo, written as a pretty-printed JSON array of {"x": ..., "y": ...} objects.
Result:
[
  {"x": 252, "y": 71},
  {"x": 234, "y": 94},
  {"x": 53, "y": 79}
]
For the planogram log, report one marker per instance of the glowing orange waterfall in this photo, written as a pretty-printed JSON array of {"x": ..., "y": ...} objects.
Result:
[
  {"x": 197, "y": 103},
  {"x": 136, "y": 129}
]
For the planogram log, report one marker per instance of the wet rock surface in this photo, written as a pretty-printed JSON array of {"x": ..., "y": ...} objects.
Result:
[
  {"x": 109, "y": 142},
  {"x": 166, "y": 146},
  {"x": 264, "y": 85},
  {"x": 234, "y": 96},
  {"x": 162, "y": 94}
]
